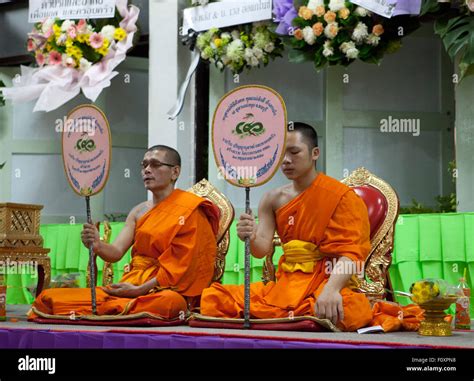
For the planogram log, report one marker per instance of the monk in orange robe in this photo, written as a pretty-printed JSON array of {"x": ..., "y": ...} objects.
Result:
[
  {"x": 173, "y": 254},
  {"x": 325, "y": 233}
]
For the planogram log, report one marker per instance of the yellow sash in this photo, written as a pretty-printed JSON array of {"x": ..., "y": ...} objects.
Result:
[{"x": 300, "y": 256}]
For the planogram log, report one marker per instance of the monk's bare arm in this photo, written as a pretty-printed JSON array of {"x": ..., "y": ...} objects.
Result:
[
  {"x": 329, "y": 304},
  {"x": 261, "y": 235},
  {"x": 262, "y": 245},
  {"x": 115, "y": 251}
]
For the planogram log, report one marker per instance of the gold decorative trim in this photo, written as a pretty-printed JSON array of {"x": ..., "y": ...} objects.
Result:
[
  {"x": 206, "y": 190},
  {"x": 104, "y": 317},
  {"x": 19, "y": 225},
  {"x": 380, "y": 257}
]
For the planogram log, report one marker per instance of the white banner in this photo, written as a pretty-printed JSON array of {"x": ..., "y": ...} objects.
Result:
[
  {"x": 383, "y": 8},
  {"x": 70, "y": 9},
  {"x": 225, "y": 13}
]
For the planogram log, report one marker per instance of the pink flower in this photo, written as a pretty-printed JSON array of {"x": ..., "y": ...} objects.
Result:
[
  {"x": 40, "y": 59},
  {"x": 55, "y": 58},
  {"x": 96, "y": 40},
  {"x": 49, "y": 32},
  {"x": 71, "y": 32},
  {"x": 31, "y": 45},
  {"x": 82, "y": 26}
]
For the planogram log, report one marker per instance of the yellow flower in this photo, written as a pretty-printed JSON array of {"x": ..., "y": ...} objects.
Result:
[
  {"x": 330, "y": 17},
  {"x": 103, "y": 50},
  {"x": 69, "y": 42},
  {"x": 344, "y": 13},
  {"x": 119, "y": 34},
  {"x": 56, "y": 30},
  {"x": 81, "y": 38},
  {"x": 106, "y": 43},
  {"x": 320, "y": 11},
  {"x": 305, "y": 13},
  {"x": 218, "y": 42},
  {"x": 74, "y": 52}
]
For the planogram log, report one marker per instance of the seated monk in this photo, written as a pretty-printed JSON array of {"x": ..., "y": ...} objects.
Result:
[
  {"x": 173, "y": 253},
  {"x": 321, "y": 222}
]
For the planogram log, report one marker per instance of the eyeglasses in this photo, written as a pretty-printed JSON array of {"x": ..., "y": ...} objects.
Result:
[{"x": 154, "y": 164}]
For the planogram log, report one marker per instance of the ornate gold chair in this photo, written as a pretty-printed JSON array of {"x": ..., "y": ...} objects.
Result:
[{"x": 382, "y": 204}]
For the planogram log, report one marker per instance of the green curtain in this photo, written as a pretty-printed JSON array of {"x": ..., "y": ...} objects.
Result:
[
  {"x": 433, "y": 246},
  {"x": 426, "y": 246}
]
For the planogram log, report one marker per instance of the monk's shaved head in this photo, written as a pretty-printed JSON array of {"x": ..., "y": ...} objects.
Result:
[
  {"x": 172, "y": 156},
  {"x": 309, "y": 135}
]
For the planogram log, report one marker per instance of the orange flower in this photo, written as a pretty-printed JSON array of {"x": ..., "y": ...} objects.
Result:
[
  {"x": 298, "y": 34},
  {"x": 344, "y": 13},
  {"x": 329, "y": 17},
  {"x": 318, "y": 29},
  {"x": 305, "y": 13},
  {"x": 378, "y": 30},
  {"x": 320, "y": 10}
]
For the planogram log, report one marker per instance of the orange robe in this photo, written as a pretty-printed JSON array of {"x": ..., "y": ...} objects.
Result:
[
  {"x": 175, "y": 242},
  {"x": 329, "y": 216}
]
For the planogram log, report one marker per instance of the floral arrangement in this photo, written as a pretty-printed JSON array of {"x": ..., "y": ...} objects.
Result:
[
  {"x": 241, "y": 47},
  {"x": 427, "y": 290},
  {"x": 245, "y": 46},
  {"x": 73, "y": 57},
  {"x": 70, "y": 44},
  {"x": 337, "y": 32}
]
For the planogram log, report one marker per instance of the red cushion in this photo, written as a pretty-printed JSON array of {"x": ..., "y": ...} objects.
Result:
[
  {"x": 377, "y": 206},
  {"x": 301, "y": 325},
  {"x": 139, "y": 322}
]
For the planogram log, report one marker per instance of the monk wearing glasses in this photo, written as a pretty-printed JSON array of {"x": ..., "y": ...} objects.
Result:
[{"x": 173, "y": 240}]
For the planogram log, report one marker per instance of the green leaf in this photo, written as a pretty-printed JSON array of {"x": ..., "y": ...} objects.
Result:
[
  {"x": 299, "y": 56},
  {"x": 429, "y": 6},
  {"x": 460, "y": 35}
]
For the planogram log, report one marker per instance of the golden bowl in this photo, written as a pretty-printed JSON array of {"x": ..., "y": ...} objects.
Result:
[{"x": 434, "y": 323}]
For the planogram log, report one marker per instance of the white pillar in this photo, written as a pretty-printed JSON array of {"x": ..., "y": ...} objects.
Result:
[{"x": 169, "y": 62}]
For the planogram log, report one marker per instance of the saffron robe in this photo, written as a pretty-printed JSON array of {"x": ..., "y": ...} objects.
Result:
[
  {"x": 175, "y": 242},
  {"x": 329, "y": 216}
]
